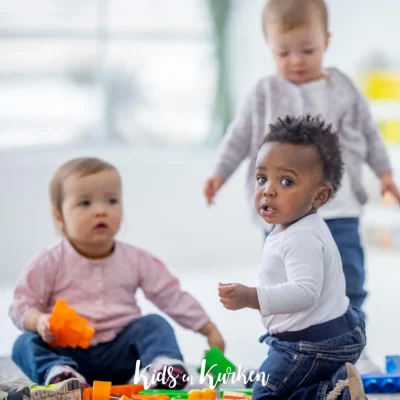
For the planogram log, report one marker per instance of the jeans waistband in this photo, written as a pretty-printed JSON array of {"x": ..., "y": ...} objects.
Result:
[{"x": 325, "y": 331}]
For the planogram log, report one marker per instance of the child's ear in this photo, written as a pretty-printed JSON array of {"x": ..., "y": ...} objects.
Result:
[
  {"x": 322, "y": 196},
  {"x": 58, "y": 218},
  {"x": 327, "y": 40}
]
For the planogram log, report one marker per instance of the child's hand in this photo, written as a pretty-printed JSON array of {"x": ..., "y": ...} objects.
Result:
[
  {"x": 43, "y": 328},
  {"x": 388, "y": 186},
  {"x": 211, "y": 187},
  {"x": 235, "y": 296},
  {"x": 214, "y": 337}
]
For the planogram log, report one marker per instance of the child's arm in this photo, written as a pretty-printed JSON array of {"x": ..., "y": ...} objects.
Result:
[
  {"x": 163, "y": 289},
  {"x": 377, "y": 157},
  {"x": 31, "y": 294},
  {"x": 303, "y": 259},
  {"x": 235, "y": 146}
]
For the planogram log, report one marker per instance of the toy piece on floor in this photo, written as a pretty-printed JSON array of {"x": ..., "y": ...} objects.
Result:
[
  {"x": 235, "y": 393},
  {"x": 381, "y": 383},
  {"x": 101, "y": 390},
  {"x": 171, "y": 393},
  {"x": 217, "y": 365},
  {"x": 105, "y": 391},
  {"x": 205, "y": 394},
  {"x": 393, "y": 364},
  {"x": 126, "y": 390},
  {"x": 71, "y": 329}
]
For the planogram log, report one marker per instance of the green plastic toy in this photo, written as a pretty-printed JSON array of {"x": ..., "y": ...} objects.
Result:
[
  {"x": 178, "y": 394},
  {"x": 217, "y": 364}
]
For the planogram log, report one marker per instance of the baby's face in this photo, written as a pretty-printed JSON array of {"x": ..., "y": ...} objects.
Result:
[
  {"x": 298, "y": 53},
  {"x": 289, "y": 182},
  {"x": 92, "y": 211}
]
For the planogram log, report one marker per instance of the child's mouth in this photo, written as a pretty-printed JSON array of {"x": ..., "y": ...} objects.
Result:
[
  {"x": 268, "y": 211},
  {"x": 101, "y": 226}
]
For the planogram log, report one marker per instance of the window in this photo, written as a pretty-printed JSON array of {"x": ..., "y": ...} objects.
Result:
[{"x": 143, "y": 72}]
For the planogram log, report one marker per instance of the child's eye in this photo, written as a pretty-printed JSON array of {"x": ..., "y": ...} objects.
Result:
[
  {"x": 284, "y": 54},
  {"x": 113, "y": 201},
  {"x": 308, "y": 51},
  {"x": 286, "y": 182},
  {"x": 261, "y": 180},
  {"x": 84, "y": 203}
]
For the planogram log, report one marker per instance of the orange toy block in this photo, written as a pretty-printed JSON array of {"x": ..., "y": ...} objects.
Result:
[
  {"x": 205, "y": 394},
  {"x": 71, "y": 329},
  {"x": 126, "y": 390},
  {"x": 101, "y": 390}
]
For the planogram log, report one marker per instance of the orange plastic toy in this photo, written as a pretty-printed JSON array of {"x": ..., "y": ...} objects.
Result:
[
  {"x": 104, "y": 391},
  {"x": 71, "y": 329},
  {"x": 205, "y": 394}
]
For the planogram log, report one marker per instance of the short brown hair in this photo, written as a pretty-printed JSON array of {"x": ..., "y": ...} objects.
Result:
[
  {"x": 290, "y": 14},
  {"x": 83, "y": 166}
]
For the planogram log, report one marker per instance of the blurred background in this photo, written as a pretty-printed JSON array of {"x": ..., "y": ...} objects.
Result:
[{"x": 151, "y": 86}]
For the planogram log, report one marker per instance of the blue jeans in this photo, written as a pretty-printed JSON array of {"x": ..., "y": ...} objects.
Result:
[
  {"x": 345, "y": 232},
  {"x": 144, "y": 339},
  {"x": 309, "y": 369}
]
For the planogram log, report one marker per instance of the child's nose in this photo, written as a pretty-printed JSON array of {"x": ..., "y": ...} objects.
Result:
[
  {"x": 100, "y": 210},
  {"x": 269, "y": 190},
  {"x": 296, "y": 59}
]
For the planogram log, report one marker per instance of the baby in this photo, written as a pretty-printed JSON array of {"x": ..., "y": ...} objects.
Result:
[
  {"x": 99, "y": 276},
  {"x": 314, "y": 334}
]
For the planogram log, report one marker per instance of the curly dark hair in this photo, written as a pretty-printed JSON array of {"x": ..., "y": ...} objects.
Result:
[{"x": 311, "y": 131}]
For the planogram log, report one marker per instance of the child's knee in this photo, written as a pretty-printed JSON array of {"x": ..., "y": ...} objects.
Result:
[
  {"x": 156, "y": 322},
  {"x": 22, "y": 343}
]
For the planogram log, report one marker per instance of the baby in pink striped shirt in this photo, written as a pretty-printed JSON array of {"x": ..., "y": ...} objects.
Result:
[{"x": 99, "y": 277}]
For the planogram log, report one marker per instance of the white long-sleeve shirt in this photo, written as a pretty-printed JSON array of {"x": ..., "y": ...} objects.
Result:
[{"x": 301, "y": 281}]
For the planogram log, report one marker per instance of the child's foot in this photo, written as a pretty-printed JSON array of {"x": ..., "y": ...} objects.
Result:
[
  {"x": 60, "y": 373},
  {"x": 67, "y": 390},
  {"x": 356, "y": 387},
  {"x": 349, "y": 388},
  {"x": 175, "y": 377}
]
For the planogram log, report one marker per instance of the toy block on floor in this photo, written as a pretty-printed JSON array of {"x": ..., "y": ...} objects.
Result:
[
  {"x": 393, "y": 364},
  {"x": 235, "y": 393},
  {"x": 381, "y": 383},
  {"x": 171, "y": 393}
]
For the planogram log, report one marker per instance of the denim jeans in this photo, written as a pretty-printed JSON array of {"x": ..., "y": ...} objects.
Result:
[
  {"x": 144, "y": 339},
  {"x": 305, "y": 370},
  {"x": 345, "y": 232}
]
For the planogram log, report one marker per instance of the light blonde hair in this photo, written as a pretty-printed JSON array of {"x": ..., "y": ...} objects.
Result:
[
  {"x": 290, "y": 14},
  {"x": 83, "y": 166}
]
